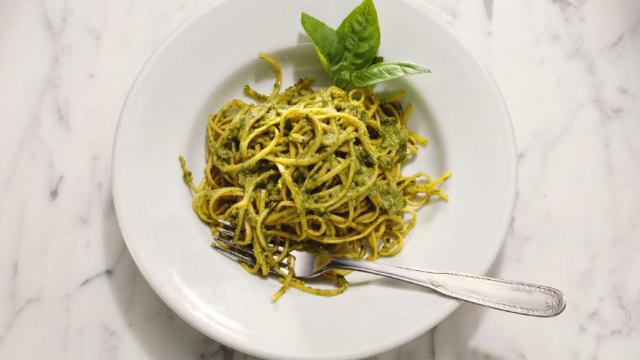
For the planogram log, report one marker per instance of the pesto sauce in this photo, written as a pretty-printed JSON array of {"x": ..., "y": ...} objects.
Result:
[
  {"x": 329, "y": 138},
  {"x": 394, "y": 142},
  {"x": 356, "y": 111},
  {"x": 364, "y": 157},
  {"x": 223, "y": 156},
  {"x": 245, "y": 176},
  {"x": 392, "y": 199},
  {"x": 233, "y": 214}
]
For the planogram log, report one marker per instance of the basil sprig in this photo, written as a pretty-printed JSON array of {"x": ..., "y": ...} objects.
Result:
[{"x": 349, "y": 54}]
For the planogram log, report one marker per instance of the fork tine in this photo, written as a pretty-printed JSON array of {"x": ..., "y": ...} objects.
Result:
[
  {"x": 235, "y": 251},
  {"x": 225, "y": 232},
  {"x": 243, "y": 251},
  {"x": 225, "y": 223},
  {"x": 226, "y": 236},
  {"x": 230, "y": 244},
  {"x": 234, "y": 255}
]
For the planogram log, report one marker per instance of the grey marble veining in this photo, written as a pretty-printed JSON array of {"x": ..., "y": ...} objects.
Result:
[{"x": 569, "y": 73}]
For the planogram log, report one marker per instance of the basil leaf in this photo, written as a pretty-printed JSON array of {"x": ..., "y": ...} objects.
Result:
[
  {"x": 325, "y": 64},
  {"x": 360, "y": 34},
  {"x": 385, "y": 71},
  {"x": 348, "y": 54},
  {"x": 326, "y": 41},
  {"x": 342, "y": 79}
]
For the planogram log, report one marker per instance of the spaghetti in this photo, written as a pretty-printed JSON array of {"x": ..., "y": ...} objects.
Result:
[{"x": 316, "y": 171}]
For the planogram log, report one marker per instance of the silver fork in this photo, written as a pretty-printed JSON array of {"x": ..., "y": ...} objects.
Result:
[{"x": 513, "y": 296}]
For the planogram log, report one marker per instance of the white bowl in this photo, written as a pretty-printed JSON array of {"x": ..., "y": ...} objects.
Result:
[{"x": 205, "y": 63}]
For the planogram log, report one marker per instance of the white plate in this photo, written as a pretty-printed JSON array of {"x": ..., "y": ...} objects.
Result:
[{"x": 204, "y": 64}]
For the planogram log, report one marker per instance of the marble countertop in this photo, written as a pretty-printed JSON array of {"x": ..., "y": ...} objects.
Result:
[{"x": 569, "y": 71}]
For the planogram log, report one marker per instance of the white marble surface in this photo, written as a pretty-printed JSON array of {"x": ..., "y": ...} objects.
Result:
[{"x": 570, "y": 74}]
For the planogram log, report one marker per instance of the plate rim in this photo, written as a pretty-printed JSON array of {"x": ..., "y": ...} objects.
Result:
[{"x": 246, "y": 347}]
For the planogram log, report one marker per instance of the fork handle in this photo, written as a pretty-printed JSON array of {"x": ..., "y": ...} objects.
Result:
[{"x": 513, "y": 296}]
